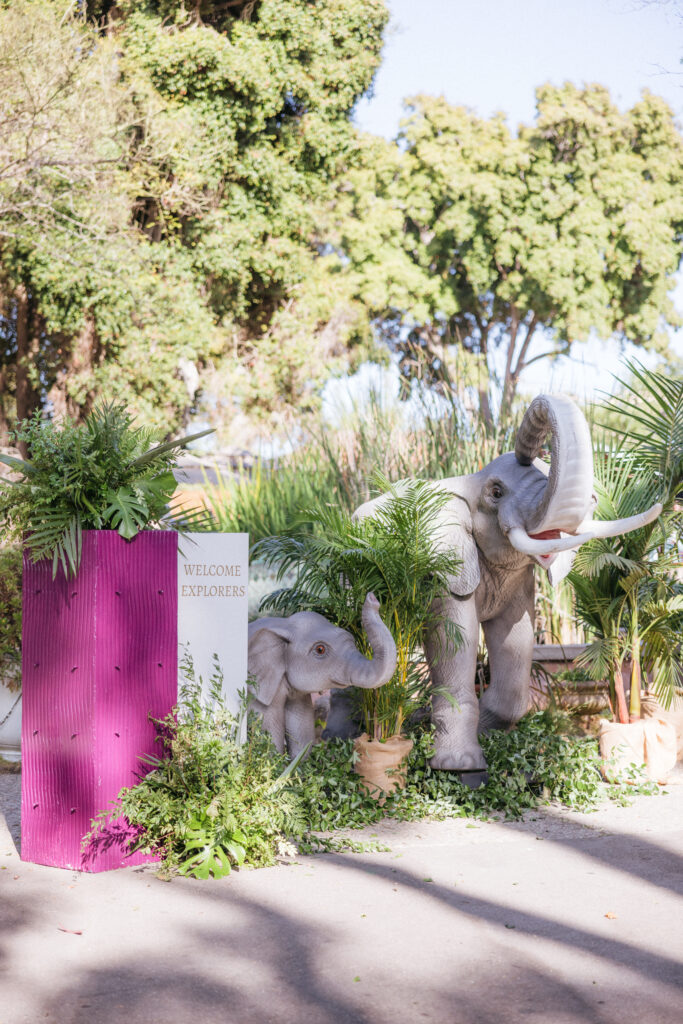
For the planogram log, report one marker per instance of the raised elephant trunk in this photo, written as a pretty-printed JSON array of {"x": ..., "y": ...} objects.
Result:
[
  {"x": 566, "y": 500},
  {"x": 370, "y": 673},
  {"x": 566, "y": 503}
]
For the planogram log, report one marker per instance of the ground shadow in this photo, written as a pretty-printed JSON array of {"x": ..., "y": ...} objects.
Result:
[{"x": 273, "y": 968}]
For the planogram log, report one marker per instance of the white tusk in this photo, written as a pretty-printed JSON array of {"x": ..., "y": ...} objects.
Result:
[
  {"x": 521, "y": 540},
  {"x": 613, "y": 527}
]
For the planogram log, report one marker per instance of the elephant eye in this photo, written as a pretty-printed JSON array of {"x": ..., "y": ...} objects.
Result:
[
  {"x": 320, "y": 650},
  {"x": 496, "y": 491}
]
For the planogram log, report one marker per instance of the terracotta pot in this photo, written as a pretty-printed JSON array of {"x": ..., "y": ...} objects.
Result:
[
  {"x": 381, "y": 765},
  {"x": 651, "y": 743},
  {"x": 674, "y": 716}
]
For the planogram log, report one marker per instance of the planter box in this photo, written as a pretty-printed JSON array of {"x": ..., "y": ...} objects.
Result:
[
  {"x": 99, "y": 656},
  {"x": 585, "y": 696}
]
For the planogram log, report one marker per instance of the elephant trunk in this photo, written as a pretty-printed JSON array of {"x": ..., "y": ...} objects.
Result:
[
  {"x": 566, "y": 500},
  {"x": 566, "y": 504},
  {"x": 368, "y": 673}
]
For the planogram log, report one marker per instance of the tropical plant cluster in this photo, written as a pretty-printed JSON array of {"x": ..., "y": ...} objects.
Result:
[
  {"x": 209, "y": 804},
  {"x": 105, "y": 474},
  {"x": 628, "y": 589},
  {"x": 337, "y": 561}
]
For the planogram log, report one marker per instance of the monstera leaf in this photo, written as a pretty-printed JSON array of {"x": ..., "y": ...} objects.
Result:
[
  {"x": 158, "y": 488},
  {"x": 209, "y": 855},
  {"x": 127, "y": 512}
]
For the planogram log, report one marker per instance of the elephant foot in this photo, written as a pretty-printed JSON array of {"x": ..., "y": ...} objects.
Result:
[
  {"x": 490, "y": 720},
  {"x": 473, "y": 779},
  {"x": 468, "y": 759}
]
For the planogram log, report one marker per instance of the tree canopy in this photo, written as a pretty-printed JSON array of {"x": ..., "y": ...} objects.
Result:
[
  {"x": 463, "y": 233},
  {"x": 187, "y": 209},
  {"x": 161, "y": 165}
]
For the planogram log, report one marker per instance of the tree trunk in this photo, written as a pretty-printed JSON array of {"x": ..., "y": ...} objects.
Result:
[
  {"x": 483, "y": 386},
  {"x": 83, "y": 357},
  {"x": 27, "y": 399},
  {"x": 512, "y": 374},
  {"x": 620, "y": 696},
  {"x": 4, "y": 417},
  {"x": 636, "y": 680}
]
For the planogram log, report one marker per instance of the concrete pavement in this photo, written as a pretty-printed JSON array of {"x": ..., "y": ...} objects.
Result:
[{"x": 562, "y": 918}]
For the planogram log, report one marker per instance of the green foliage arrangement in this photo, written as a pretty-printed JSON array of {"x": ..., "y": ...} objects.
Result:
[
  {"x": 106, "y": 474},
  {"x": 10, "y": 616},
  {"x": 542, "y": 759},
  {"x": 627, "y": 590},
  {"x": 209, "y": 803},
  {"x": 393, "y": 554}
]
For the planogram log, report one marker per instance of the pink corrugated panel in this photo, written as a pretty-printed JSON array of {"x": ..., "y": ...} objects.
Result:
[{"x": 99, "y": 656}]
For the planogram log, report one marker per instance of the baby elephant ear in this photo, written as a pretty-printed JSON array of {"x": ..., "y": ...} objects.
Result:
[{"x": 268, "y": 640}]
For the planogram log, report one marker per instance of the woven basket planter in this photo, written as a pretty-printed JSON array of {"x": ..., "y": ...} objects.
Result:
[{"x": 382, "y": 765}]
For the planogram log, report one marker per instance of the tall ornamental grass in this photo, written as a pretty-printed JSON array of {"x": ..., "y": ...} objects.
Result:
[{"x": 338, "y": 466}]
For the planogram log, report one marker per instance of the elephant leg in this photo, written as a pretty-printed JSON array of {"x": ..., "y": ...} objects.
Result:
[
  {"x": 273, "y": 718},
  {"x": 456, "y": 720},
  {"x": 342, "y": 719},
  {"x": 510, "y": 644},
  {"x": 299, "y": 723}
]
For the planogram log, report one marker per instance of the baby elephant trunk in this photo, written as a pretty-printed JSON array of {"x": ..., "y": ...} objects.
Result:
[{"x": 368, "y": 673}]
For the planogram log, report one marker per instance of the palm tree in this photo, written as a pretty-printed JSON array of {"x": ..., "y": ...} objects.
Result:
[{"x": 627, "y": 590}]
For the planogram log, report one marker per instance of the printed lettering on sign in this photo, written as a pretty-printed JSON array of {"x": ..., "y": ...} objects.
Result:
[{"x": 213, "y": 572}]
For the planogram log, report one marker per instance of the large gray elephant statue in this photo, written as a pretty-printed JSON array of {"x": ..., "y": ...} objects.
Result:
[
  {"x": 514, "y": 513},
  {"x": 291, "y": 658}
]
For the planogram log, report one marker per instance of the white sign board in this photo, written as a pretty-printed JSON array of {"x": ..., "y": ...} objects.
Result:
[{"x": 213, "y": 579}]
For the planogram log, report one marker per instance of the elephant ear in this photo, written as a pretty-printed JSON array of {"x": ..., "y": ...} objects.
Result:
[
  {"x": 456, "y": 535},
  {"x": 268, "y": 639}
]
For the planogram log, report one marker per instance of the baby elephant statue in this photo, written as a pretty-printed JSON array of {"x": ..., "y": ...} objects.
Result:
[{"x": 291, "y": 658}]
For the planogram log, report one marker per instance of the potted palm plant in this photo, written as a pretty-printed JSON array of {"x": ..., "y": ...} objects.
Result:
[
  {"x": 628, "y": 593},
  {"x": 99, "y": 611},
  {"x": 336, "y": 561}
]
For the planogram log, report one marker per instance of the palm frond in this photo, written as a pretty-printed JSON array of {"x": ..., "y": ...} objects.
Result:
[
  {"x": 168, "y": 446},
  {"x": 19, "y": 465},
  {"x": 652, "y": 407}
]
